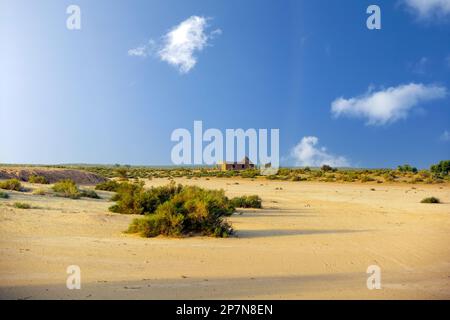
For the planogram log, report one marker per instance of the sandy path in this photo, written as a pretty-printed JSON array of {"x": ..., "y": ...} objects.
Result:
[{"x": 312, "y": 240}]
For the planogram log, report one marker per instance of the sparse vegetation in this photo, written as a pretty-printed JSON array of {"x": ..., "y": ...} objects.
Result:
[
  {"x": 247, "y": 202},
  {"x": 68, "y": 189},
  {"x": 21, "y": 205},
  {"x": 109, "y": 185},
  {"x": 38, "y": 179},
  {"x": 366, "y": 178},
  {"x": 11, "y": 184},
  {"x": 40, "y": 192},
  {"x": 438, "y": 173},
  {"x": 89, "y": 194},
  {"x": 122, "y": 173},
  {"x": 431, "y": 200},
  {"x": 4, "y": 195}
]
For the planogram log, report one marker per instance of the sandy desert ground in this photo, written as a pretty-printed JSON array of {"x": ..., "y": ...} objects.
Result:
[{"x": 312, "y": 240}]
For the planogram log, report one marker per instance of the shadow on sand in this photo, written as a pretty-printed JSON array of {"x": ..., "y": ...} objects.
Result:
[{"x": 262, "y": 233}]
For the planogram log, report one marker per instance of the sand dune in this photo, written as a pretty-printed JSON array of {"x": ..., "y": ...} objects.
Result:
[{"x": 311, "y": 240}]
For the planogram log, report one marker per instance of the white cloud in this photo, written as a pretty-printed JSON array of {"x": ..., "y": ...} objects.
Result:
[
  {"x": 308, "y": 153},
  {"x": 445, "y": 136},
  {"x": 429, "y": 9},
  {"x": 179, "y": 45},
  {"x": 387, "y": 106}
]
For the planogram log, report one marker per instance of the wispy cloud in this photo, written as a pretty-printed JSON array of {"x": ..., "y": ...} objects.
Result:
[
  {"x": 144, "y": 50},
  {"x": 179, "y": 46},
  {"x": 445, "y": 136},
  {"x": 389, "y": 105},
  {"x": 420, "y": 67},
  {"x": 428, "y": 9},
  {"x": 308, "y": 153}
]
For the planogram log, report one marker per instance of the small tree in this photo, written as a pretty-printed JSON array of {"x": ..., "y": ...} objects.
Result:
[
  {"x": 407, "y": 168},
  {"x": 441, "y": 169},
  {"x": 326, "y": 168}
]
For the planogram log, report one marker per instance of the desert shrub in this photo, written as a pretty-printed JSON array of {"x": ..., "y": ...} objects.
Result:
[
  {"x": 122, "y": 173},
  {"x": 389, "y": 176},
  {"x": 367, "y": 179},
  {"x": 191, "y": 211},
  {"x": 416, "y": 180},
  {"x": 250, "y": 173},
  {"x": 67, "y": 188},
  {"x": 133, "y": 199},
  {"x": 21, "y": 205},
  {"x": 89, "y": 194},
  {"x": 316, "y": 174},
  {"x": 430, "y": 200},
  {"x": 38, "y": 179},
  {"x": 4, "y": 195},
  {"x": 424, "y": 174},
  {"x": 348, "y": 176},
  {"x": 127, "y": 198},
  {"x": 39, "y": 192},
  {"x": 109, "y": 185},
  {"x": 247, "y": 202},
  {"x": 11, "y": 184}
]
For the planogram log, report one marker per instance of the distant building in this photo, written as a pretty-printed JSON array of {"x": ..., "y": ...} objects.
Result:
[{"x": 244, "y": 164}]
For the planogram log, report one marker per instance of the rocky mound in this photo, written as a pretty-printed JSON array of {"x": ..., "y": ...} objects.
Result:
[{"x": 52, "y": 175}]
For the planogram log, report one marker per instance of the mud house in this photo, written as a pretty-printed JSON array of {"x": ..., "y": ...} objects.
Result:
[{"x": 244, "y": 164}]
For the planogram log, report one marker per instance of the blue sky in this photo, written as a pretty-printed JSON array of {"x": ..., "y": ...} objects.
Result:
[{"x": 338, "y": 92}]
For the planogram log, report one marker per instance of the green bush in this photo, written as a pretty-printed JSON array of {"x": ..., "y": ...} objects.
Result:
[
  {"x": 407, "y": 168},
  {"x": 4, "y": 195},
  {"x": 67, "y": 188},
  {"x": 11, "y": 184},
  {"x": 247, "y": 202},
  {"x": 110, "y": 185},
  {"x": 431, "y": 200},
  {"x": 39, "y": 192},
  {"x": 133, "y": 199},
  {"x": 193, "y": 210},
  {"x": 21, "y": 205},
  {"x": 38, "y": 179}
]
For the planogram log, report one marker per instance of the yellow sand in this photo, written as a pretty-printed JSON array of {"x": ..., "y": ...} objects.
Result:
[{"x": 312, "y": 240}]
